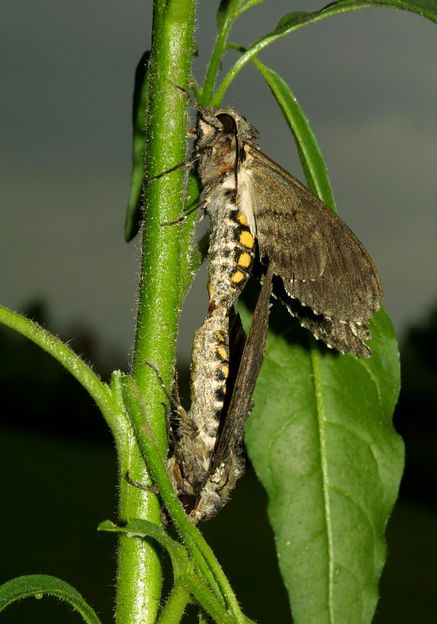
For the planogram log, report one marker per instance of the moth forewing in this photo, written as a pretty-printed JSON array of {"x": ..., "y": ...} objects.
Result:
[
  {"x": 240, "y": 404},
  {"x": 323, "y": 266},
  {"x": 325, "y": 247}
]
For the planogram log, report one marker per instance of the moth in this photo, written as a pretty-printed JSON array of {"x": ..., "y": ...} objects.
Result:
[
  {"x": 260, "y": 216},
  {"x": 205, "y": 464},
  {"x": 323, "y": 273}
]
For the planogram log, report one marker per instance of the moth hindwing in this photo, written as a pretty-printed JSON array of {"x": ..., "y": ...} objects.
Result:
[{"x": 326, "y": 277}]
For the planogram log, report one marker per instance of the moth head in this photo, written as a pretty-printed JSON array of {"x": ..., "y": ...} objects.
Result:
[{"x": 225, "y": 122}]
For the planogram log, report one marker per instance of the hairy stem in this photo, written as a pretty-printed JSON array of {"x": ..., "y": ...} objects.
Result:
[{"x": 139, "y": 571}]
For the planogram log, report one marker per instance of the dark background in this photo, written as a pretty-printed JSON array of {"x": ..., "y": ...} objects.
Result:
[{"x": 367, "y": 82}]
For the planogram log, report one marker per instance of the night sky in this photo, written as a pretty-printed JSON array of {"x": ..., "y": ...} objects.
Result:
[{"x": 366, "y": 80}]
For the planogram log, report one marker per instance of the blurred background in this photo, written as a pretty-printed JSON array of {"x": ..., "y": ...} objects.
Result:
[{"x": 368, "y": 84}]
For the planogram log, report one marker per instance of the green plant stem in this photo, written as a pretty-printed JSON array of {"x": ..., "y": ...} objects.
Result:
[
  {"x": 99, "y": 391},
  {"x": 159, "y": 295},
  {"x": 198, "y": 549},
  {"x": 139, "y": 571},
  {"x": 175, "y": 605}
]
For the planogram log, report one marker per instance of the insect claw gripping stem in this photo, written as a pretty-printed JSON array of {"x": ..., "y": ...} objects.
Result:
[
  {"x": 178, "y": 407},
  {"x": 146, "y": 488}
]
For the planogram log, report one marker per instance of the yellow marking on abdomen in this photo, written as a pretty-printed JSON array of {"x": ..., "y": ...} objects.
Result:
[
  {"x": 245, "y": 260},
  {"x": 247, "y": 240},
  {"x": 241, "y": 218},
  {"x": 223, "y": 353},
  {"x": 237, "y": 277}
]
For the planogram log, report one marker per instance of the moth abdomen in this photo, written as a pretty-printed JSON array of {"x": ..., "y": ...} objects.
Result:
[
  {"x": 198, "y": 428},
  {"x": 231, "y": 254}
]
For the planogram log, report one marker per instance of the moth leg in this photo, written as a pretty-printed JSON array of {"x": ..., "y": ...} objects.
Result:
[
  {"x": 174, "y": 402},
  {"x": 203, "y": 209},
  {"x": 182, "y": 218},
  {"x": 187, "y": 164},
  {"x": 152, "y": 489},
  {"x": 141, "y": 486}
]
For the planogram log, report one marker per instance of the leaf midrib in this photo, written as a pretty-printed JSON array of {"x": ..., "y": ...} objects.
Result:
[{"x": 321, "y": 420}]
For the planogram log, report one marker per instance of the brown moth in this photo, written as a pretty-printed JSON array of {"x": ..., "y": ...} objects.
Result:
[{"x": 326, "y": 277}]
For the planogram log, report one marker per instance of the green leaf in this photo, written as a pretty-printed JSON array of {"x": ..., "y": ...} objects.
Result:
[
  {"x": 294, "y": 21},
  {"x": 322, "y": 443},
  {"x": 309, "y": 151},
  {"x": 139, "y": 115},
  {"x": 324, "y": 447},
  {"x": 39, "y": 585}
]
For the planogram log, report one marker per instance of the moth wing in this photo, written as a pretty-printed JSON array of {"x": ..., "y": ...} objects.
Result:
[
  {"x": 319, "y": 259},
  {"x": 240, "y": 405}
]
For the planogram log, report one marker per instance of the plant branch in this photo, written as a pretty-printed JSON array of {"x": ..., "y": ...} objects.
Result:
[
  {"x": 294, "y": 21},
  {"x": 98, "y": 390},
  {"x": 139, "y": 572},
  {"x": 175, "y": 605},
  {"x": 227, "y": 18}
]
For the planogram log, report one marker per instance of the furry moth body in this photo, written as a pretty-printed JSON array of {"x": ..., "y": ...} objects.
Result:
[{"x": 231, "y": 255}]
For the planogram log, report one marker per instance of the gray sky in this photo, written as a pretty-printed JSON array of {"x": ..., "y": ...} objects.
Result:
[{"x": 366, "y": 80}]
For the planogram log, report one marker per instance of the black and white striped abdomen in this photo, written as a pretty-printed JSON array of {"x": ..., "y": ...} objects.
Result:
[{"x": 231, "y": 250}]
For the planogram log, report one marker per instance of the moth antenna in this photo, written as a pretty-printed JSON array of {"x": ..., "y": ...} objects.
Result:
[
  {"x": 190, "y": 97},
  {"x": 187, "y": 164}
]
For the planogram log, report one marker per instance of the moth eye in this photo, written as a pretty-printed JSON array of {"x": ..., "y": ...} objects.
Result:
[{"x": 228, "y": 123}]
